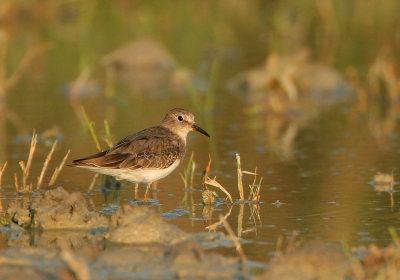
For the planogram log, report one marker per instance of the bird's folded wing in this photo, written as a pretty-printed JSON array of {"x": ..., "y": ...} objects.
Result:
[{"x": 144, "y": 152}]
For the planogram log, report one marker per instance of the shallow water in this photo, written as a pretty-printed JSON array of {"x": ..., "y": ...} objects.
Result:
[{"x": 323, "y": 191}]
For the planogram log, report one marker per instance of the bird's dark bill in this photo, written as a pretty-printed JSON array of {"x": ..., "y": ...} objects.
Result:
[{"x": 199, "y": 129}]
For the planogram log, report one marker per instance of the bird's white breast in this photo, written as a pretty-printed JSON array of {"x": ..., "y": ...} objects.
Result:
[{"x": 136, "y": 175}]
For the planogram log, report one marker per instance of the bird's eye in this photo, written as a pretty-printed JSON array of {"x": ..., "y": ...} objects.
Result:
[{"x": 180, "y": 118}]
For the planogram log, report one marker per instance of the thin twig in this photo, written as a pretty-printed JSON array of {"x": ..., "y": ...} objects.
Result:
[
  {"x": 207, "y": 171},
  {"x": 234, "y": 238},
  {"x": 16, "y": 182},
  {"x": 278, "y": 250},
  {"x": 58, "y": 169},
  {"x": 240, "y": 182},
  {"x": 192, "y": 174},
  {"x": 214, "y": 183},
  {"x": 90, "y": 125},
  {"x": 78, "y": 267},
  {"x": 258, "y": 189},
  {"x": 186, "y": 171},
  {"x": 2, "y": 171},
  {"x": 26, "y": 168},
  {"x": 240, "y": 220},
  {"x": 93, "y": 182},
  {"x": 25, "y": 63},
  {"x": 215, "y": 225},
  {"x": 46, "y": 163},
  {"x": 254, "y": 183},
  {"x": 108, "y": 133}
]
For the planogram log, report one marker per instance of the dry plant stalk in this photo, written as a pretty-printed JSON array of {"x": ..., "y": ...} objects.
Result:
[
  {"x": 30, "y": 55},
  {"x": 254, "y": 194},
  {"x": 214, "y": 183},
  {"x": 16, "y": 182},
  {"x": 278, "y": 250},
  {"x": 235, "y": 239},
  {"x": 254, "y": 191},
  {"x": 391, "y": 192},
  {"x": 192, "y": 174},
  {"x": 78, "y": 267},
  {"x": 207, "y": 171},
  {"x": 240, "y": 220},
  {"x": 46, "y": 163},
  {"x": 90, "y": 125},
  {"x": 2, "y": 171},
  {"x": 240, "y": 182},
  {"x": 58, "y": 169},
  {"x": 25, "y": 169},
  {"x": 93, "y": 182},
  {"x": 214, "y": 226}
]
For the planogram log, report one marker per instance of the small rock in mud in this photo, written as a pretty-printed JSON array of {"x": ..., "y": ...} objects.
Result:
[
  {"x": 140, "y": 225},
  {"x": 209, "y": 197},
  {"x": 57, "y": 209}
]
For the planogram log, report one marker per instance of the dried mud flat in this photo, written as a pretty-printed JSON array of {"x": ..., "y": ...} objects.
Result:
[{"x": 55, "y": 236}]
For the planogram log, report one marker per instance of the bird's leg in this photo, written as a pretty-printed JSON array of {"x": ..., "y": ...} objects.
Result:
[
  {"x": 146, "y": 194},
  {"x": 154, "y": 189},
  {"x": 136, "y": 191}
]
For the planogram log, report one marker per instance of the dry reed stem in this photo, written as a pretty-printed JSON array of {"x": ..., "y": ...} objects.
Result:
[
  {"x": 192, "y": 174},
  {"x": 25, "y": 63},
  {"x": 93, "y": 182},
  {"x": 292, "y": 242},
  {"x": 2, "y": 171},
  {"x": 235, "y": 239},
  {"x": 240, "y": 220},
  {"x": 240, "y": 182},
  {"x": 58, "y": 169},
  {"x": 207, "y": 170},
  {"x": 108, "y": 143},
  {"x": 3, "y": 64},
  {"x": 108, "y": 139},
  {"x": 278, "y": 250},
  {"x": 26, "y": 168},
  {"x": 258, "y": 189},
  {"x": 46, "y": 163},
  {"x": 16, "y": 182},
  {"x": 76, "y": 265},
  {"x": 90, "y": 125},
  {"x": 214, "y": 183},
  {"x": 255, "y": 211},
  {"x": 214, "y": 226},
  {"x": 252, "y": 193}
]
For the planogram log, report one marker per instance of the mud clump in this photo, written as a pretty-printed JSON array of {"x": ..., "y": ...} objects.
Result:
[
  {"x": 313, "y": 261},
  {"x": 141, "y": 225},
  {"x": 139, "y": 244},
  {"x": 182, "y": 261},
  {"x": 56, "y": 209}
]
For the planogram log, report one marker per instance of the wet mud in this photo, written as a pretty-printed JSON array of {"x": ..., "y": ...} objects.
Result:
[{"x": 56, "y": 236}]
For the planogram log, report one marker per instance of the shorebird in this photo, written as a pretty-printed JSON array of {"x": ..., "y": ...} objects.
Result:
[{"x": 148, "y": 155}]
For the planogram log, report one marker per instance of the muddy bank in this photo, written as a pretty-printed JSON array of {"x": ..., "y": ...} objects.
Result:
[
  {"x": 72, "y": 242},
  {"x": 185, "y": 260},
  {"x": 55, "y": 236},
  {"x": 56, "y": 209}
]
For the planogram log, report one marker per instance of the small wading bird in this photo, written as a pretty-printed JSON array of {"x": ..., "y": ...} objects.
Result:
[{"x": 148, "y": 155}]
